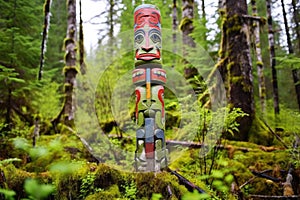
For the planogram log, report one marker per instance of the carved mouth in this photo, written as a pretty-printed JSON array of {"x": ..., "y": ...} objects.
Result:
[{"x": 147, "y": 56}]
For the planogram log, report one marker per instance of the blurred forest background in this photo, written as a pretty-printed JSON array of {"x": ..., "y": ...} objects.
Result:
[{"x": 232, "y": 100}]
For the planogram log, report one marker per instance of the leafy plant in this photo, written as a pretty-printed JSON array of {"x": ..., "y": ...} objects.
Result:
[
  {"x": 8, "y": 194},
  {"x": 87, "y": 186},
  {"x": 37, "y": 191},
  {"x": 130, "y": 190}
]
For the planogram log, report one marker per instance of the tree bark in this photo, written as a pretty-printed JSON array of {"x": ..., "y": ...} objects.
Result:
[
  {"x": 238, "y": 63},
  {"x": 70, "y": 68},
  {"x": 81, "y": 42},
  {"x": 272, "y": 58},
  {"x": 174, "y": 26},
  {"x": 187, "y": 28},
  {"x": 259, "y": 64},
  {"x": 295, "y": 72},
  {"x": 205, "y": 46},
  {"x": 47, "y": 15},
  {"x": 296, "y": 21}
]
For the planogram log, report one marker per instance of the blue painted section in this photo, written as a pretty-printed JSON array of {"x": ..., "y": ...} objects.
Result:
[{"x": 149, "y": 130}]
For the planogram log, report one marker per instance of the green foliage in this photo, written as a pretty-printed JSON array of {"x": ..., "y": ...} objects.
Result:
[
  {"x": 37, "y": 191},
  {"x": 156, "y": 196},
  {"x": 87, "y": 185},
  {"x": 9, "y": 160},
  {"x": 195, "y": 195},
  {"x": 130, "y": 190},
  {"x": 8, "y": 194}
]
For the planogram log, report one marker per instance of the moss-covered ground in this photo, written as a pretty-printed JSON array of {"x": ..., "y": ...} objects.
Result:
[{"x": 63, "y": 162}]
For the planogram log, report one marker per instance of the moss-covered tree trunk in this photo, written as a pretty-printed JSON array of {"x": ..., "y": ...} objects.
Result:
[
  {"x": 186, "y": 26},
  {"x": 259, "y": 63},
  {"x": 272, "y": 58},
  {"x": 295, "y": 72},
  {"x": 238, "y": 63},
  {"x": 70, "y": 69}
]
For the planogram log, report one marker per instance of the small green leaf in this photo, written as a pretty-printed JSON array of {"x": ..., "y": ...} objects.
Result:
[
  {"x": 9, "y": 194},
  {"x": 229, "y": 178},
  {"x": 217, "y": 174}
]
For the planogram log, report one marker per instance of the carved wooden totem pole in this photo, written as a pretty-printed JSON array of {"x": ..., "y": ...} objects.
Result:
[{"x": 149, "y": 78}]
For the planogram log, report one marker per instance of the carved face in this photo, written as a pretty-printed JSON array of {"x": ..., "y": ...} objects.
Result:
[{"x": 147, "y": 34}]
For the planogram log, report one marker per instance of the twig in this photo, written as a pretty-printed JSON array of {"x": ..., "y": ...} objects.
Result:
[
  {"x": 182, "y": 180},
  {"x": 274, "y": 197},
  {"x": 263, "y": 175},
  {"x": 251, "y": 179},
  {"x": 277, "y": 136},
  {"x": 200, "y": 145}
]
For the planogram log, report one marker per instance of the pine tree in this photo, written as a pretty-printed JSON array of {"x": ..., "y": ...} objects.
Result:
[{"x": 19, "y": 50}]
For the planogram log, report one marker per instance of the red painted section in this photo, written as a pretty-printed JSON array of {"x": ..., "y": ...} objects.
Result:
[
  {"x": 147, "y": 16},
  {"x": 161, "y": 99},
  {"x": 138, "y": 98},
  {"x": 138, "y": 75},
  {"x": 149, "y": 149},
  {"x": 158, "y": 74},
  {"x": 148, "y": 56}
]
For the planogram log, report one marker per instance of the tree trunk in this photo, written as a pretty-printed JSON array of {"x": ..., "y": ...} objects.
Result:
[
  {"x": 187, "y": 24},
  {"x": 296, "y": 21},
  {"x": 272, "y": 58},
  {"x": 238, "y": 63},
  {"x": 47, "y": 15},
  {"x": 8, "y": 110},
  {"x": 174, "y": 26},
  {"x": 259, "y": 63},
  {"x": 111, "y": 27},
  {"x": 205, "y": 46},
  {"x": 70, "y": 68},
  {"x": 81, "y": 42},
  {"x": 188, "y": 44},
  {"x": 187, "y": 28},
  {"x": 295, "y": 72}
]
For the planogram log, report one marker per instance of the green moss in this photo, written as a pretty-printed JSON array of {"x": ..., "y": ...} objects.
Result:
[
  {"x": 236, "y": 79},
  {"x": 184, "y": 22},
  {"x": 111, "y": 193},
  {"x": 69, "y": 68},
  {"x": 233, "y": 24},
  {"x": 106, "y": 176},
  {"x": 259, "y": 133},
  {"x": 150, "y": 183},
  {"x": 68, "y": 41},
  {"x": 258, "y": 63},
  {"x": 15, "y": 179}
]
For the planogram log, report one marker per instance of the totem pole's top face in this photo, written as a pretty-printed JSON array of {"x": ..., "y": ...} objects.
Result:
[{"x": 147, "y": 34}]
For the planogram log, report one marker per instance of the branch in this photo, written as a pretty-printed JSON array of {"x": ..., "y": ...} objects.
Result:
[
  {"x": 200, "y": 145},
  {"x": 182, "y": 180},
  {"x": 263, "y": 175},
  {"x": 274, "y": 197},
  {"x": 273, "y": 133}
]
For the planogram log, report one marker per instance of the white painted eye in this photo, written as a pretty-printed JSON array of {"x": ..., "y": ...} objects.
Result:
[{"x": 139, "y": 38}]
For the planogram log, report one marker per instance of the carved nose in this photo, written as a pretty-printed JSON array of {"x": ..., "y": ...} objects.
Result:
[{"x": 147, "y": 49}]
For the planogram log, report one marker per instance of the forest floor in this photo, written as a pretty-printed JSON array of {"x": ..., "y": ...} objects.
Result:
[{"x": 235, "y": 169}]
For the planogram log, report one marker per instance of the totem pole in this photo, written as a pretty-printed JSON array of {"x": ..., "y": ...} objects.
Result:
[{"x": 149, "y": 78}]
